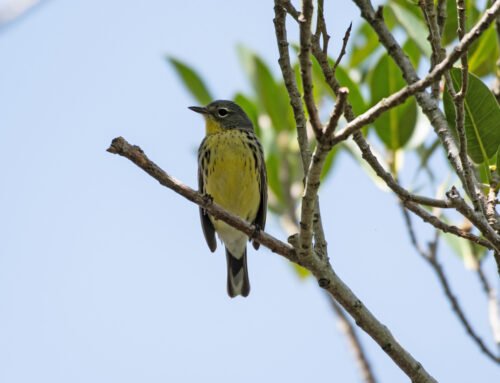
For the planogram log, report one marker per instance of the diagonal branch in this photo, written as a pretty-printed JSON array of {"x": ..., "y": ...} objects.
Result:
[
  {"x": 428, "y": 104},
  {"x": 430, "y": 256},
  {"x": 410, "y": 201},
  {"x": 416, "y": 87},
  {"x": 355, "y": 343},
  {"x": 321, "y": 270}
]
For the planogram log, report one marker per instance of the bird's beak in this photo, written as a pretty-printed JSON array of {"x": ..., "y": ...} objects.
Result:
[{"x": 199, "y": 109}]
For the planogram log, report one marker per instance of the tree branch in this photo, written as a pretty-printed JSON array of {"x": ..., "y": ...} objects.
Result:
[
  {"x": 417, "y": 86},
  {"x": 408, "y": 199},
  {"x": 355, "y": 343},
  {"x": 321, "y": 270},
  {"x": 430, "y": 256},
  {"x": 289, "y": 78},
  {"x": 427, "y": 103},
  {"x": 305, "y": 20}
]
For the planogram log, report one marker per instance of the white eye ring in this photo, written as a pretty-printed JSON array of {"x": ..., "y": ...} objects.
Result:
[{"x": 222, "y": 112}]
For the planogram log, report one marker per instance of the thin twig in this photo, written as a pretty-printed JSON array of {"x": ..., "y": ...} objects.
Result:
[
  {"x": 428, "y": 104},
  {"x": 417, "y": 86},
  {"x": 359, "y": 139},
  {"x": 430, "y": 256},
  {"x": 441, "y": 15},
  {"x": 493, "y": 304},
  {"x": 345, "y": 40},
  {"x": 280, "y": 12},
  {"x": 337, "y": 112},
  {"x": 320, "y": 245},
  {"x": 321, "y": 270},
  {"x": 434, "y": 38},
  {"x": 345, "y": 324},
  {"x": 355, "y": 343},
  {"x": 135, "y": 154},
  {"x": 305, "y": 20},
  {"x": 321, "y": 27}
]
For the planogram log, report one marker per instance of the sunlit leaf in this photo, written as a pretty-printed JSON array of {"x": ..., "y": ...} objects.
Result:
[
  {"x": 192, "y": 81},
  {"x": 395, "y": 126},
  {"x": 414, "y": 26},
  {"x": 271, "y": 94},
  {"x": 413, "y": 52},
  {"x": 301, "y": 272},
  {"x": 451, "y": 24},
  {"x": 364, "y": 44},
  {"x": 482, "y": 116},
  {"x": 483, "y": 60}
]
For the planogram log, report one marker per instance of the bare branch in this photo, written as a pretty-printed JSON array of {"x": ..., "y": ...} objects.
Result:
[
  {"x": 345, "y": 40},
  {"x": 493, "y": 304},
  {"x": 430, "y": 256},
  {"x": 355, "y": 343},
  {"x": 427, "y": 103},
  {"x": 305, "y": 20},
  {"x": 368, "y": 156},
  {"x": 321, "y": 27},
  {"x": 402, "y": 193},
  {"x": 136, "y": 155},
  {"x": 321, "y": 270},
  {"x": 337, "y": 112},
  {"x": 434, "y": 38},
  {"x": 417, "y": 86},
  {"x": 289, "y": 78}
]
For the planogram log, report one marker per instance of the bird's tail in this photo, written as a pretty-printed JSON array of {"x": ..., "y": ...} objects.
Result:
[{"x": 237, "y": 275}]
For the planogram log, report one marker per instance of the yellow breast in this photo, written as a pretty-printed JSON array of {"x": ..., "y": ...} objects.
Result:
[{"x": 232, "y": 174}]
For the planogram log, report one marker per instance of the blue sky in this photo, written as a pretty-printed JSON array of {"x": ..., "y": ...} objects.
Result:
[{"x": 105, "y": 275}]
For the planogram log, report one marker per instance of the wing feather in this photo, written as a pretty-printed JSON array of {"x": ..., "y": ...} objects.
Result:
[{"x": 206, "y": 224}]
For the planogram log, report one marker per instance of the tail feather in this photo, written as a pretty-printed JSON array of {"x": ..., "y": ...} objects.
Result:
[{"x": 237, "y": 275}]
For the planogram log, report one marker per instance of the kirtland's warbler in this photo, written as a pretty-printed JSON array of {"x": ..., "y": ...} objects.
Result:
[{"x": 232, "y": 171}]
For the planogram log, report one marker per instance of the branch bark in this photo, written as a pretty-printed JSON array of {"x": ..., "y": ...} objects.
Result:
[
  {"x": 321, "y": 270},
  {"x": 430, "y": 256}
]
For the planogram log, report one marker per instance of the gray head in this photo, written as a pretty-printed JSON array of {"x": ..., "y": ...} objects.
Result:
[{"x": 224, "y": 114}]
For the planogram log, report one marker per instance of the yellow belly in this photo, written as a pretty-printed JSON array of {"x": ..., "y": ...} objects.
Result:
[{"x": 233, "y": 178}]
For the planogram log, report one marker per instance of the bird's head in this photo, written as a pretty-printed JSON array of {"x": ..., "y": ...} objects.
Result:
[{"x": 222, "y": 115}]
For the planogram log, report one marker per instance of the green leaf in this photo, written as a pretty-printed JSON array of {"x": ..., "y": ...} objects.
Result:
[
  {"x": 413, "y": 52},
  {"x": 482, "y": 116},
  {"x": 301, "y": 272},
  {"x": 271, "y": 94},
  {"x": 395, "y": 126},
  {"x": 451, "y": 24},
  {"x": 483, "y": 61},
  {"x": 413, "y": 25},
  {"x": 192, "y": 81},
  {"x": 365, "y": 44},
  {"x": 498, "y": 161},
  {"x": 273, "y": 180}
]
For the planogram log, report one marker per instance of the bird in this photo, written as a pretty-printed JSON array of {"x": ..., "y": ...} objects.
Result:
[{"x": 232, "y": 173}]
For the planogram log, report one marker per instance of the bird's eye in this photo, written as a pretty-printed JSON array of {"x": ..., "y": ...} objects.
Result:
[{"x": 222, "y": 112}]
